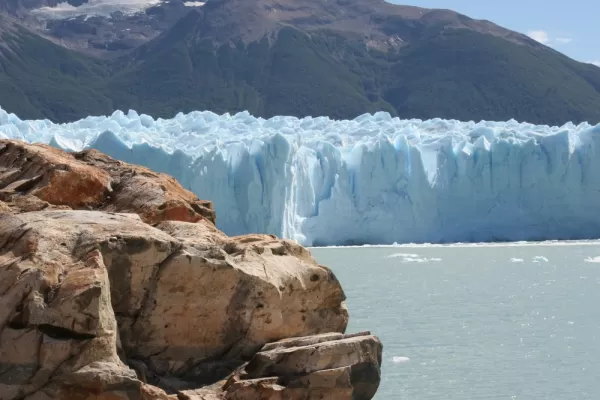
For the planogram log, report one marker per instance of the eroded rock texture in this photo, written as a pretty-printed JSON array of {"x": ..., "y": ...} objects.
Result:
[
  {"x": 152, "y": 301},
  {"x": 327, "y": 366},
  {"x": 34, "y": 177}
]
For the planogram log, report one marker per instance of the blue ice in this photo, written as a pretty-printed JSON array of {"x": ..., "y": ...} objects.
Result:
[{"x": 371, "y": 180}]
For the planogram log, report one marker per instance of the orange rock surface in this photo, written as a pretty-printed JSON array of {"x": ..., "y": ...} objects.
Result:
[{"x": 115, "y": 284}]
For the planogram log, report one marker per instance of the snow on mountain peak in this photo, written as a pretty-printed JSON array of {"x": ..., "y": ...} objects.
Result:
[{"x": 99, "y": 8}]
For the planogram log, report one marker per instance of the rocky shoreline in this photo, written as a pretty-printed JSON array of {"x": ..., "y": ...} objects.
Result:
[{"x": 116, "y": 284}]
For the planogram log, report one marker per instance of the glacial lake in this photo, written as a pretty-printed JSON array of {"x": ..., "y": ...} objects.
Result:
[{"x": 475, "y": 322}]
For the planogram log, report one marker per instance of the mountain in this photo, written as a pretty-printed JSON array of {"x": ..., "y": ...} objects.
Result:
[{"x": 338, "y": 58}]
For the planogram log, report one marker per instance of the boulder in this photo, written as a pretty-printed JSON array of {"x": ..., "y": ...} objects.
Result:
[
  {"x": 225, "y": 300},
  {"x": 190, "y": 310},
  {"x": 58, "y": 333},
  {"x": 329, "y": 366}
]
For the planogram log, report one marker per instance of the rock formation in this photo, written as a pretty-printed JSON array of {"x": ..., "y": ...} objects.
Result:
[
  {"x": 35, "y": 177},
  {"x": 115, "y": 284}
]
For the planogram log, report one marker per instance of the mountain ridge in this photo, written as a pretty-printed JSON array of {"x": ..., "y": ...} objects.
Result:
[{"x": 310, "y": 57}]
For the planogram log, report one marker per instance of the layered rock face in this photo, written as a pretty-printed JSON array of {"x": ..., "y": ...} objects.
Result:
[
  {"x": 115, "y": 284},
  {"x": 35, "y": 177}
]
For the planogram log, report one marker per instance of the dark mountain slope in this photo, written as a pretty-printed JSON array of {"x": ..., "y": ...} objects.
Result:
[
  {"x": 379, "y": 23},
  {"x": 309, "y": 57},
  {"x": 449, "y": 73},
  {"x": 467, "y": 75},
  {"x": 296, "y": 74},
  {"x": 39, "y": 79}
]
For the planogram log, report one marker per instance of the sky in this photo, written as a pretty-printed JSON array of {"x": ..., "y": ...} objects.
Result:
[{"x": 570, "y": 27}]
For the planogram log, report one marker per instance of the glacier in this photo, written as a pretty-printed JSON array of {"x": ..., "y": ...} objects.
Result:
[{"x": 371, "y": 180}]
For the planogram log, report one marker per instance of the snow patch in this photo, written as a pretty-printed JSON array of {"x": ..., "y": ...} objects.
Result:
[{"x": 99, "y": 8}]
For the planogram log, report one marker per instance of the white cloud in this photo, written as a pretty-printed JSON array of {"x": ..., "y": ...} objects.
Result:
[
  {"x": 563, "y": 40},
  {"x": 545, "y": 38},
  {"x": 596, "y": 63},
  {"x": 539, "y": 36}
]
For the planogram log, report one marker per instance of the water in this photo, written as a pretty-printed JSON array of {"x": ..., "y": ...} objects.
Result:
[{"x": 473, "y": 323}]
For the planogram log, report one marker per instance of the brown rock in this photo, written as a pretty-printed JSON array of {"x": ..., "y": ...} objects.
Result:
[
  {"x": 4, "y": 208},
  {"x": 330, "y": 366},
  {"x": 149, "y": 392},
  {"x": 188, "y": 309},
  {"x": 87, "y": 295},
  {"x": 57, "y": 325},
  {"x": 50, "y": 175},
  {"x": 228, "y": 298},
  {"x": 89, "y": 179},
  {"x": 328, "y": 384},
  {"x": 210, "y": 393},
  {"x": 25, "y": 203}
]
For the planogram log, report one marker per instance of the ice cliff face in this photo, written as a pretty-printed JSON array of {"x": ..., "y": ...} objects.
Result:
[{"x": 375, "y": 179}]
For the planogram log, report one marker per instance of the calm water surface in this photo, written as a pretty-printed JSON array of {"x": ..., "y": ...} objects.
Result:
[{"x": 473, "y": 323}]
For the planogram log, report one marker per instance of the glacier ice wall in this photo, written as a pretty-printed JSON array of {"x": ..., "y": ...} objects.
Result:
[{"x": 374, "y": 179}]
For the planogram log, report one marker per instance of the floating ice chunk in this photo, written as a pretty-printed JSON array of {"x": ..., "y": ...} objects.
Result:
[
  {"x": 593, "y": 259},
  {"x": 409, "y": 257},
  {"x": 400, "y": 359},
  {"x": 420, "y": 259},
  {"x": 402, "y": 255},
  {"x": 539, "y": 259},
  {"x": 517, "y": 260}
]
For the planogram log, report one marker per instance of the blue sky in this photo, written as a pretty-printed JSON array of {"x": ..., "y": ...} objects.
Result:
[{"x": 571, "y": 27}]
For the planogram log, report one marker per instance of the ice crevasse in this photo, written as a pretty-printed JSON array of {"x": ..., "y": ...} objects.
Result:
[{"x": 371, "y": 180}]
